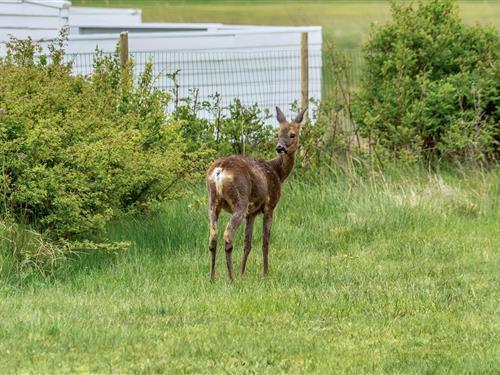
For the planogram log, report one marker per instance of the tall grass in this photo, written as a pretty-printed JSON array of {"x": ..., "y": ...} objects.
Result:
[{"x": 393, "y": 272}]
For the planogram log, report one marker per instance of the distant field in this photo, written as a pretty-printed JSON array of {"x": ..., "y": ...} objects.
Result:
[{"x": 345, "y": 23}]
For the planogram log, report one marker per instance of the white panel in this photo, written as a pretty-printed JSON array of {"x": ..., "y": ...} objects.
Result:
[
  {"x": 189, "y": 41},
  {"x": 110, "y": 11},
  {"x": 263, "y": 41},
  {"x": 50, "y": 3},
  {"x": 39, "y": 20},
  {"x": 24, "y": 34},
  {"x": 28, "y": 9},
  {"x": 207, "y": 61},
  {"x": 149, "y": 42},
  {"x": 104, "y": 16},
  {"x": 103, "y": 19},
  {"x": 29, "y": 21}
]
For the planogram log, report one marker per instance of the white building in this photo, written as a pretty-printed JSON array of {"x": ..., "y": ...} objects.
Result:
[{"x": 254, "y": 63}]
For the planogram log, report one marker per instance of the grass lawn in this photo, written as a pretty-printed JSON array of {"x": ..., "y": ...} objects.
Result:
[
  {"x": 347, "y": 23},
  {"x": 382, "y": 274},
  {"x": 396, "y": 272}
]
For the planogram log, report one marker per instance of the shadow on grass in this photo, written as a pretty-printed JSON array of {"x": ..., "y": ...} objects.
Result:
[{"x": 174, "y": 228}]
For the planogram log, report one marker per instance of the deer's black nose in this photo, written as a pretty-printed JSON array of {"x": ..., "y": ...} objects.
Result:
[{"x": 280, "y": 149}]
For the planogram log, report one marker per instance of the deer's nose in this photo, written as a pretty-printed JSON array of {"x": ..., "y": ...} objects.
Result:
[{"x": 280, "y": 149}]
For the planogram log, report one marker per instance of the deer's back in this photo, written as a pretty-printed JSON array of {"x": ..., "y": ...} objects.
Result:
[{"x": 235, "y": 179}]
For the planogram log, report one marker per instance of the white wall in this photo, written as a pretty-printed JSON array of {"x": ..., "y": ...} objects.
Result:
[
  {"x": 258, "y": 65},
  {"x": 37, "y": 19},
  {"x": 233, "y": 38},
  {"x": 104, "y": 16}
]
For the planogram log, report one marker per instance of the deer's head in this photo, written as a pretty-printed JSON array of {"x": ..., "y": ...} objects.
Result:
[{"x": 288, "y": 134}]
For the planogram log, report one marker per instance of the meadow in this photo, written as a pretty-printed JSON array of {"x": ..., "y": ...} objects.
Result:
[
  {"x": 378, "y": 271},
  {"x": 393, "y": 272}
]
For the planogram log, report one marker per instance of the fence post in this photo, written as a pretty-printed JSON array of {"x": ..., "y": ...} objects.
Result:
[
  {"x": 123, "y": 49},
  {"x": 304, "y": 71}
]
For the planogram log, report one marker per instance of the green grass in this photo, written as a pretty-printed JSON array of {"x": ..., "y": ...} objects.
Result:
[
  {"x": 381, "y": 274},
  {"x": 346, "y": 23},
  {"x": 393, "y": 273}
]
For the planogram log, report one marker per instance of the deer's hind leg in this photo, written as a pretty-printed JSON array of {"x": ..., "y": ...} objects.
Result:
[
  {"x": 248, "y": 241},
  {"x": 239, "y": 213},
  {"x": 213, "y": 215}
]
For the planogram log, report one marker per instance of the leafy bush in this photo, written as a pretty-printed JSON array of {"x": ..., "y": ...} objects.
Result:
[
  {"x": 78, "y": 151},
  {"x": 431, "y": 85},
  {"x": 235, "y": 129}
]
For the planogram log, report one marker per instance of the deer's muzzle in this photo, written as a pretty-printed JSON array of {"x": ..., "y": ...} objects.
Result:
[{"x": 280, "y": 149}]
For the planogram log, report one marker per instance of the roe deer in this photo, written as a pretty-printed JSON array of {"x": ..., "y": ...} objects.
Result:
[{"x": 245, "y": 187}]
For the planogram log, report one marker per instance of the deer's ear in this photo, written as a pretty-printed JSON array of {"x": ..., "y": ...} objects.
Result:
[
  {"x": 300, "y": 116},
  {"x": 280, "y": 116}
]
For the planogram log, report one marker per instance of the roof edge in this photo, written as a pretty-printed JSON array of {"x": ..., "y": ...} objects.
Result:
[{"x": 60, "y": 4}]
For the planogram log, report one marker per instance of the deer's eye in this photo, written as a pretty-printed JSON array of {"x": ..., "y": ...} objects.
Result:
[{"x": 292, "y": 135}]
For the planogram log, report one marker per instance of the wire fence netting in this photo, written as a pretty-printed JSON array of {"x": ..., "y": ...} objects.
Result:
[{"x": 267, "y": 78}]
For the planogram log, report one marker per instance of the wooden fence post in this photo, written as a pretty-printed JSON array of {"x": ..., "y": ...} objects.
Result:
[
  {"x": 304, "y": 71},
  {"x": 123, "y": 49}
]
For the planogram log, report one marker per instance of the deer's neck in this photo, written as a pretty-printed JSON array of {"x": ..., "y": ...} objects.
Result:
[{"x": 283, "y": 164}]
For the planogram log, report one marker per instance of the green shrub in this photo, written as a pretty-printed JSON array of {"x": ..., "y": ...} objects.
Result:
[
  {"x": 234, "y": 129},
  {"x": 78, "y": 151},
  {"x": 431, "y": 85}
]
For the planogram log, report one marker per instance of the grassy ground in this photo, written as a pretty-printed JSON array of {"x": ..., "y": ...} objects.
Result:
[
  {"x": 346, "y": 23},
  {"x": 367, "y": 275},
  {"x": 388, "y": 274}
]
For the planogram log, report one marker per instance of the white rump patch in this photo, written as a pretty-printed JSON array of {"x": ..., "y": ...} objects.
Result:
[{"x": 218, "y": 178}]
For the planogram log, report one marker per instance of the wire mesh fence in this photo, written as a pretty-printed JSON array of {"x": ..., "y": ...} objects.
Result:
[
  {"x": 345, "y": 65},
  {"x": 267, "y": 78}
]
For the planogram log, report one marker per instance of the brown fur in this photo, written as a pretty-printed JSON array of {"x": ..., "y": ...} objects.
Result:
[{"x": 245, "y": 187}]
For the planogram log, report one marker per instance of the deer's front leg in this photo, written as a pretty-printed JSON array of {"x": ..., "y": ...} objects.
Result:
[
  {"x": 248, "y": 241},
  {"x": 232, "y": 226},
  {"x": 268, "y": 218}
]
